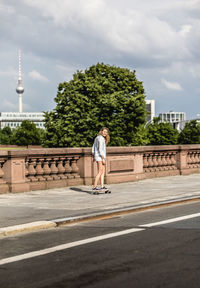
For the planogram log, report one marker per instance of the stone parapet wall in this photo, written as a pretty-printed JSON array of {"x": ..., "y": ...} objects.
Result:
[{"x": 40, "y": 169}]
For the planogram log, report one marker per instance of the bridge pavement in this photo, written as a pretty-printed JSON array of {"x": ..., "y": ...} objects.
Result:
[{"x": 36, "y": 210}]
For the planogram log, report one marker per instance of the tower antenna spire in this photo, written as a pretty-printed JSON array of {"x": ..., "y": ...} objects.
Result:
[
  {"x": 20, "y": 68},
  {"x": 20, "y": 88}
]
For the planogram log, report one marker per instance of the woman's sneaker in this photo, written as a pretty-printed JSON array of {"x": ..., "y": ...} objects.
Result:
[
  {"x": 95, "y": 190},
  {"x": 104, "y": 189}
]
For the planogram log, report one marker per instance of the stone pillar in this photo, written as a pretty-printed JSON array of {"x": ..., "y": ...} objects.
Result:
[
  {"x": 14, "y": 174},
  {"x": 138, "y": 163},
  {"x": 86, "y": 166},
  {"x": 182, "y": 161}
]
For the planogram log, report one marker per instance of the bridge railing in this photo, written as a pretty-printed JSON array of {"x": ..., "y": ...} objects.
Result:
[{"x": 40, "y": 169}]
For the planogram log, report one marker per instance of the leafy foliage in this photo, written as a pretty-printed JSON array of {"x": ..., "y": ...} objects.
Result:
[
  {"x": 190, "y": 133},
  {"x": 162, "y": 133},
  {"x": 26, "y": 134},
  {"x": 6, "y": 136},
  {"x": 100, "y": 96}
]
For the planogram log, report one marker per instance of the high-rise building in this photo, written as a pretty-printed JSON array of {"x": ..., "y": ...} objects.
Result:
[{"x": 150, "y": 106}]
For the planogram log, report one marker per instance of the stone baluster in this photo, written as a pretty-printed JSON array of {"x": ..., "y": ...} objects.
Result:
[
  {"x": 191, "y": 159},
  {"x": 195, "y": 159},
  {"x": 164, "y": 162},
  {"x": 168, "y": 161},
  {"x": 173, "y": 160},
  {"x": 26, "y": 170},
  {"x": 61, "y": 169},
  {"x": 188, "y": 159},
  {"x": 47, "y": 170},
  {"x": 39, "y": 170},
  {"x": 198, "y": 159},
  {"x": 162, "y": 156},
  {"x": 159, "y": 160},
  {"x": 145, "y": 163},
  {"x": 155, "y": 162},
  {"x": 150, "y": 163},
  {"x": 54, "y": 169},
  {"x": 75, "y": 168},
  {"x": 68, "y": 168},
  {"x": 31, "y": 170}
]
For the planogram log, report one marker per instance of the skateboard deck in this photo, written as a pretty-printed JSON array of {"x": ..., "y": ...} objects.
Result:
[{"x": 101, "y": 192}]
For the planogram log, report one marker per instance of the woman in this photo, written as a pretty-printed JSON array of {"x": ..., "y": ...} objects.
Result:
[{"x": 99, "y": 155}]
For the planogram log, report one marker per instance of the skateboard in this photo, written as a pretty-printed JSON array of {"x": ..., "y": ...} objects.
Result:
[{"x": 101, "y": 192}]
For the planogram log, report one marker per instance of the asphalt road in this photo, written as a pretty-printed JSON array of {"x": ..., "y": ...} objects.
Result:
[{"x": 136, "y": 250}]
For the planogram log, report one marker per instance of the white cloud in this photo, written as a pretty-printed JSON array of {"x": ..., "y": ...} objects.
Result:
[
  {"x": 37, "y": 76},
  {"x": 134, "y": 31},
  {"x": 185, "y": 29},
  {"x": 172, "y": 85}
]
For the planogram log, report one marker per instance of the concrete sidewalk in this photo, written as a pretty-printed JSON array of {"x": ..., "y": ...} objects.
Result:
[{"x": 50, "y": 208}]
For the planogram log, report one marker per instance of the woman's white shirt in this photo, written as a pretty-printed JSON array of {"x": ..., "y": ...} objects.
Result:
[{"x": 99, "y": 148}]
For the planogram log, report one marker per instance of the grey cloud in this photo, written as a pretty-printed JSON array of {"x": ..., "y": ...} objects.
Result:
[{"x": 146, "y": 35}]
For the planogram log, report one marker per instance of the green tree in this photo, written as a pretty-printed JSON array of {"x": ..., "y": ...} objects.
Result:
[
  {"x": 100, "y": 96},
  {"x": 6, "y": 135},
  {"x": 190, "y": 133},
  {"x": 26, "y": 134},
  {"x": 162, "y": 133},
  {"x": 42, "y": 133}
]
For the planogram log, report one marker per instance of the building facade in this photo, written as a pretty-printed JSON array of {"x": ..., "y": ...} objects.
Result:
[
  {"x": 176, "y": 118},
  {"x": 14, "y": 119},
  {"x": 150, "y": 106}
]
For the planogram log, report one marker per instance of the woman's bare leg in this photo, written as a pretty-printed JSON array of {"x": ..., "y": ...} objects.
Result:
[
  {"x": 100, "y": 172},
  {"x": 102, "y": 177}
]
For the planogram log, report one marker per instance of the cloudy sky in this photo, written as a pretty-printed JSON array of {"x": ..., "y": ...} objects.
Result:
[{"x": 158, "y": 39}]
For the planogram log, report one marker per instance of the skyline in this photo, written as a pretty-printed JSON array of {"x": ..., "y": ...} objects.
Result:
[{"x": 158, "y": 40}]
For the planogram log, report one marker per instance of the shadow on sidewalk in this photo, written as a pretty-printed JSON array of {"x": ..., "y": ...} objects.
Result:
[{"x": 80, "y": 190}]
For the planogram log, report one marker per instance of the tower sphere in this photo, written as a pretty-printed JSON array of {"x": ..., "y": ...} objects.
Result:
[{"x": 20, "y": 89}]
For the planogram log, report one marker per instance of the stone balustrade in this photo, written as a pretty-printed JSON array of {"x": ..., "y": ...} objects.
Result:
[{"x": 40, "y": 169}]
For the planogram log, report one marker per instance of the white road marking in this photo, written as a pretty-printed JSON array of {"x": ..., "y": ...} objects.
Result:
[
  {"x": 171, "y": 220},
  {"x": 91, "y": 240},
  {"x": 67, "y": 246}
]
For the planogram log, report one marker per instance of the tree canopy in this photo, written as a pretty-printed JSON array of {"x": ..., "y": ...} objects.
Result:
[
  {"x": 190, "y": 133},
  {"x": 162, "y": 133},
  {"x": 6, "y": 136},
  {"x": 100, "y": 96},
  {"x": 26, "y": 134}
]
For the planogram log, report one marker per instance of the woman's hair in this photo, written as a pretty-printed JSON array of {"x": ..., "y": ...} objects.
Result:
[{"x": 107, "y": 136}]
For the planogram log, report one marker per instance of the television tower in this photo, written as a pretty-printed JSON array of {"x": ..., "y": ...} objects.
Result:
[{"x": 20, "y": 88}]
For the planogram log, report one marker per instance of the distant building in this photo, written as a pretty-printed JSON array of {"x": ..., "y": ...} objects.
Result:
[
  {"x": 176, "y": 118},
  {"x": 14, "y": 119},
  {"x": 150, "y": 106}
]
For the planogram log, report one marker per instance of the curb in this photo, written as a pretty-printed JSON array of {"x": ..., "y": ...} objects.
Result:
[
  {"x": 28, "y": 227},
  {"x": 40, "y": 225},
  {"x": 122, "y": 211}
]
